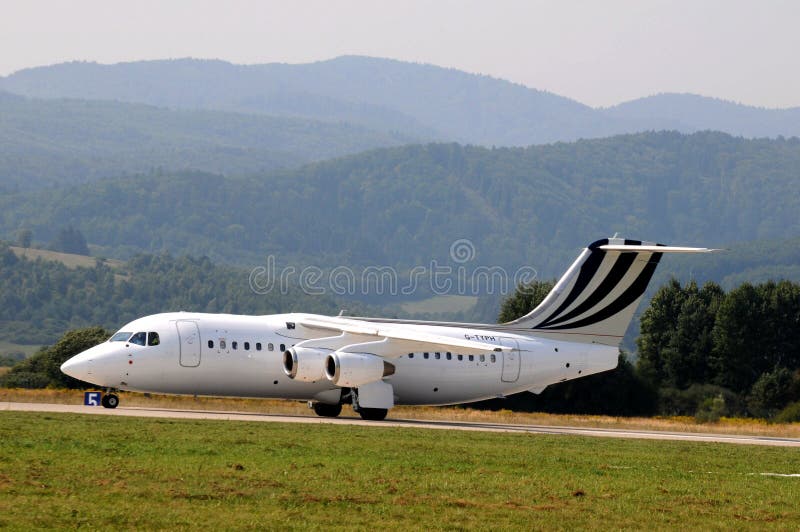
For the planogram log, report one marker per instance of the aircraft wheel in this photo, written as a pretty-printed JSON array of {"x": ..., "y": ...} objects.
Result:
[
  {"x": 326, "y": 410},
  {"x": 373, "y": 414},
  {"x": 110, "y": 401}
]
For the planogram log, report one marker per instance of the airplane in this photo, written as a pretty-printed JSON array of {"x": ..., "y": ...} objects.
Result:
[{"x": 377, "y": 363}]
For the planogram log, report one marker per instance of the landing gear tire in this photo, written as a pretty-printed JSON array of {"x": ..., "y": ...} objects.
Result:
[
  {"x": 326, "y": 410},
  {"x": 110, "y": 401},
  {"x": 373, "y": 414}
]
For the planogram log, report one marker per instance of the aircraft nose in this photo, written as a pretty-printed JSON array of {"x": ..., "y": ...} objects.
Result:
[
  {"x": 78, "y": 367},
  {"x": 97, "y": 365}
]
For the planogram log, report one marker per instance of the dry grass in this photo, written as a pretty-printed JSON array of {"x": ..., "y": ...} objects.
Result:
[
  {"x": 68, "y": 259},
  {"x": 272, "y": 406},
  {"x": 4, "y": 370}
]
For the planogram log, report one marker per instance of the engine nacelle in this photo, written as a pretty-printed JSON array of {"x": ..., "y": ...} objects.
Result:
[
  {"x": 354, "y": 369},
  {"x": 304, "y": 364}
]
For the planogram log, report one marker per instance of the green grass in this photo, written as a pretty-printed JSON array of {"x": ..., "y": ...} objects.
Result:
[{"x": 109, "y": 472}]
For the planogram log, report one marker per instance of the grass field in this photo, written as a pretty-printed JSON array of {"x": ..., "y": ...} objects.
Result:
[
  {"x": 64, "y": 471},
  {"x": 69, "y": 260}
]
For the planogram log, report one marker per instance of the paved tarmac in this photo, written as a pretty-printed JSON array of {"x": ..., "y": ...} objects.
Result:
[{"x": 407, "y": 423}]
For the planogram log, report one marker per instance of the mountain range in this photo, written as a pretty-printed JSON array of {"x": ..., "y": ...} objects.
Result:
[
  {"x": 46, "y": 142},
  {"x": 417, "y": 101}
]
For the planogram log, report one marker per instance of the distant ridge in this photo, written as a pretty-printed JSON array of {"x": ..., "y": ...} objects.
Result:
[
  {"x": 417, "y": 100},
  {"x": 60, "y": 141},
  {"x": 690, "y": 112}
]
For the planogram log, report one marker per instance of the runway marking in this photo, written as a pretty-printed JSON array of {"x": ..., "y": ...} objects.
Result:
[{"x": 406, "y": 423}]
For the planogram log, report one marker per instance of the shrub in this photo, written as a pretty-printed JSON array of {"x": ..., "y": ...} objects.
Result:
[
  {"x": 790, "y": 414},
  {"x": 770, "y": 393},
  {"x": 697, "y": 398}
]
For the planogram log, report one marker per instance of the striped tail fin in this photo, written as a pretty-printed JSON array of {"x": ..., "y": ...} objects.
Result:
[{"x": 594, "y": 301}]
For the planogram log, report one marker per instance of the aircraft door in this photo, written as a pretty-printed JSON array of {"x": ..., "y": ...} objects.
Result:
[
  {"x": 511, "y": 360},
  {"x": 189, "y": 337}
]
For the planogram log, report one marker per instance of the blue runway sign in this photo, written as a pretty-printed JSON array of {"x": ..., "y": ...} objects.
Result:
[{"x": 92, "y": 398}]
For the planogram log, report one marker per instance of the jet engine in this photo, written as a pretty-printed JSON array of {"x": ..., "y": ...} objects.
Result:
[
  {"x": 304, "y": 364},
  {"x": 355, "y": 369}
]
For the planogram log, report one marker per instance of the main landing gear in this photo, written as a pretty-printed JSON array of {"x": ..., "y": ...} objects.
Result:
[
  {"x": 110, "y": 400},
  {"x": 373, "y": 414},
  {"x": 326, "y": 410}
]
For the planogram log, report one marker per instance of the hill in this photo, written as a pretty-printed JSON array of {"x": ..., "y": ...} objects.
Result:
[
  {"x": 403, "y": 207},
  {"x": 47, "y": 142},
  {"x": 418, "y": 100},
  {"x": 690, "y": 112}
]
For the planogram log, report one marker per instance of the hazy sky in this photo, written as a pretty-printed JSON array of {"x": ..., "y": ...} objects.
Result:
[{"x": 598, "y": 52}]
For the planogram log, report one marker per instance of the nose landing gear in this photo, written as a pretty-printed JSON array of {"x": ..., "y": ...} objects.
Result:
[{"x": 110, "y": 400}]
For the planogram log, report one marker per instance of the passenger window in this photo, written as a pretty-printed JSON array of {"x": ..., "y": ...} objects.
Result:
[
  {"x": 471, "y": 358},
  {"x": 211, "y": 344},
  {"x": 449, "y": 355},
  {"x": 493, "y": 358},
  {"x": 411, "y": 355},
  {"x": 222, "y": 343},
  {"x": 270, "y": 347},
  {"x": 461, "y": 357},
  {"x": 437, "y": 355},
  {"x": 283, "y": 348},
  {"x": 483, "y": 358},
  {"x": 153, "y": 339},
  {"x": 234, "y": 345},
  {"x": 138, "y": 338},
  {"x": 247, "y": 346},
  {"x": 425, "y": 355},
  {"x": 258, "y": 346}
]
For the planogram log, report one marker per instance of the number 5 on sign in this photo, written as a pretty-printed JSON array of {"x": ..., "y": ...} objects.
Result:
[{"x": 91, "y": 398}]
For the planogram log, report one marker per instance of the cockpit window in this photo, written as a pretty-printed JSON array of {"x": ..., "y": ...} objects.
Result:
[
  {"x": 121, "y": 336},
  {"x": 138, "y": 338},
  {"x": 153, "y": 339}
]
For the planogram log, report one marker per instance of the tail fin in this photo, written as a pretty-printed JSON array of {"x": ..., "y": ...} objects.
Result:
[{"x": 595, "y": 299}]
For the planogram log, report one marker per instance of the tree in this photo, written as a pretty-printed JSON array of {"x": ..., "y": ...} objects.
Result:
[
  {"x": 524, "y": 299},
  {"x": 24, "y": 238},
  {"x": 70, "y": 240},
  {"x": 748, "y": 336},
  {"x": 676, "y": 334},
  {"x": 771, "y": 392}
]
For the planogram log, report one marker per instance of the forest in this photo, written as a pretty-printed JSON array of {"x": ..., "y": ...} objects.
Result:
[{"x": 405, "y": 206}]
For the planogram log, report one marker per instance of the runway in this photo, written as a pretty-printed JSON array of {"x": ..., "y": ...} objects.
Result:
[{"x": 403, "y": 423}]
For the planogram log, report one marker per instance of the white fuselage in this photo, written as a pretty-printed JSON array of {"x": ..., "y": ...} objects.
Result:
[{"x": 241, "y": 356}]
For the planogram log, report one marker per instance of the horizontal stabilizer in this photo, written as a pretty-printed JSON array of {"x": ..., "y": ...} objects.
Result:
[{"x": 658, "y": 249}]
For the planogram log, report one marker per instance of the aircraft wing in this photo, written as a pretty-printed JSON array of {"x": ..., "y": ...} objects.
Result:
[{"x": 396, "y": 340}]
